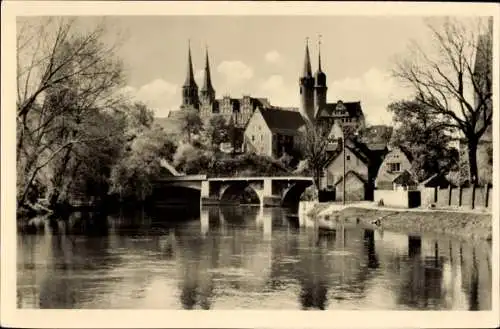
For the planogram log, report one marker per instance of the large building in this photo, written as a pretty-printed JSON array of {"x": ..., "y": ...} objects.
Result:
[
  {"x": 313, "y": 101},
  {"x": 312, "y": 91},
  {"x": 239, "y": 110},
  {"x": 273, "y": 132}
]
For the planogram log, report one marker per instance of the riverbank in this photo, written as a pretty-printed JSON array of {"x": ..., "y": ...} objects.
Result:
[{"x": 467, "y": 225}]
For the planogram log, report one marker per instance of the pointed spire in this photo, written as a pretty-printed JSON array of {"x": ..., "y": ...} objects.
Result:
[
  {"x": 190, "y": 76},
  {"x": 307, "y": 61},
  {"x": 319, "y": 53},
  {"x": 207, "y": 81}
]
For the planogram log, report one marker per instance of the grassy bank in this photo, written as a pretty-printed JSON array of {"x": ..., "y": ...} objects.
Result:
[{"x": 458, "y": 224}]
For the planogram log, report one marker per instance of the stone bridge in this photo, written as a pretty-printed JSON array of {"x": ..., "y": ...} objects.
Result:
[{"x": 271, "y": 191}]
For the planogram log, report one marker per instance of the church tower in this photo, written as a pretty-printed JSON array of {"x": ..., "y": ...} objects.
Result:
[
  {"x": 207, "y": 92},
  {"x": 306, "y": 83},
  {"x": 190, "y": 89},
  {"x": 320, "y": 87}
]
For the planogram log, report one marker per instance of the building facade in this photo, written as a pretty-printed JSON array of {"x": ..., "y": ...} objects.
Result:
[
  {"x": 313, "y": 106},
  {"x": 395, "y": 171},
  {"x": 273, "y": 132},
  {"x": 235, "y": 110},
  {"x": 356, "y": 174}
]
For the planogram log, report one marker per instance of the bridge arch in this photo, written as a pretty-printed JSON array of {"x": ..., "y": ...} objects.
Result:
[
  {"x": 239, "y": 188},
  {"x": 291, "y": 195}
]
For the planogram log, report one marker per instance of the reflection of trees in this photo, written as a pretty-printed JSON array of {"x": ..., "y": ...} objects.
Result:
[
  {"x": 422, "y": 277},
  {"x": 476, "y": 276},
  {"x": 195, "y": 257},
  {"x": 73, "y": 257},
  {"x": 312, "y": 271},
  {"x": 369, "y": 244}
]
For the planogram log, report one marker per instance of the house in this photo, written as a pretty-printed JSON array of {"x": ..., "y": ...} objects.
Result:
[
  {"x": 356, "y": 173},
  {"x": 395, "y": 171},
  {"x": 372, "y": 154},
  {"x": 273, "y": 131}
]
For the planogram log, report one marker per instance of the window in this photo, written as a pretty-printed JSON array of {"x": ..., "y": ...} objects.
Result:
[
  {"x": 348, "y": 157},
  {"x": 261, "y": 137},
  {"x": 253, "y": 138},
  {"x": 395, "y": 167},
  {"x": 329, "y": 179}
]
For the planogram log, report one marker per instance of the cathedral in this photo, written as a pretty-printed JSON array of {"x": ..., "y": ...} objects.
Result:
[
  {"x": 237, "y": 110},
  {"x": 312, "y": 90}
]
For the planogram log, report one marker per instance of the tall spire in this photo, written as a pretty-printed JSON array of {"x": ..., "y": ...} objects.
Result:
[
  {"x": 319, "y": 53},
  {"x": 307, "y": 61},
  {"x": 190, "y": 76},
  {"x": 207, "y": 81}
]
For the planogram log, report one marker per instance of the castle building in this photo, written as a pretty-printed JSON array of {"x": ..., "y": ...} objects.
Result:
[
  {"x": 313, "y": 106},
  {"x": 313, "y": 101},
  {"x": 236, "y": 110}
]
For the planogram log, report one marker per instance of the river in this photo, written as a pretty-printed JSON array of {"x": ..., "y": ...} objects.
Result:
[{"x": 243, "y": 258}]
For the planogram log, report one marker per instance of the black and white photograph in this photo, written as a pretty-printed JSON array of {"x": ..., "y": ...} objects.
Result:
[{"x": 251, "y": 162}]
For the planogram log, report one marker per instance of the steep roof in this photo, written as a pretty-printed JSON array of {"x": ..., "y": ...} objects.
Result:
[
  {"x": 405, "y": 178},
  {"x": 438, "y": 179},
  {"x": 189, "y": 74},
  {"x": 406, "y": 152},
  {"x": 279, "y": 119},
  {"x": 351, "y": 173},
  {"x": 359, "y": 152}
]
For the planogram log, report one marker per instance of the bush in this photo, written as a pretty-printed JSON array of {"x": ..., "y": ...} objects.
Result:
[{"x": 310, "y": 194}]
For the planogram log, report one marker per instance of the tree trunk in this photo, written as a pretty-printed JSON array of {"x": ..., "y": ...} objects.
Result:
[{"x": 472, "y": 153}]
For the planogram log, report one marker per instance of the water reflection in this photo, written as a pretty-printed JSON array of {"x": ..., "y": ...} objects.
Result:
[{"x": 242, "y": 257}]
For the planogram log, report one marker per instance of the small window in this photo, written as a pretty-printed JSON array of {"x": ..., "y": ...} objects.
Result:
[
  {"x": 348, "y": 157},
  {"x": 253, "y": 138},
  {"x": 261, "y": 137},
  {"x": 395, "y": 167}
]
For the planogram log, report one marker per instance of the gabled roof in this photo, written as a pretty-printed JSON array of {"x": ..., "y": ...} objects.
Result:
[
  {"x": 351, "y": 173},
  {"x": 279, "y": 120},
  {"x": 405, "y": 178},
  {"x": 403, "y": 150},
  {"x": 438, "y": 179},
  {"x": 352, "y": 108},
  {"x": 358, "y": 152}
]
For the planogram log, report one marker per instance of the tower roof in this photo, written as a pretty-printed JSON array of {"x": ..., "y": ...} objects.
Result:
[
  {"x": 207, "y": 80},
  {"x": 307, "y": 62},
  {"x": 320, "y": 76},
  {"x": 189, "y": 76}
]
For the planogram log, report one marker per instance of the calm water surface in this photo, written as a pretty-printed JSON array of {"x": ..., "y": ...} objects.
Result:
[{"x": 243, "y": 258}]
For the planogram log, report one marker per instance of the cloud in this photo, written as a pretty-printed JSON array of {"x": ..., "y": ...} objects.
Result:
[
  {"x": 376, "y": 89},
  {"x": 278, "y": 91},
  {"x": 159, "y": 95},
  {"x": 235, "y": 72},
  {"x": 273, "y": 56}
]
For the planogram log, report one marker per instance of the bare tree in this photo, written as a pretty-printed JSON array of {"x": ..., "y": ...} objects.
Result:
[
  {"x": 453, "y": 78},
  {"x": 314, "y": 145},
  {"x": 64, "y": 75}
]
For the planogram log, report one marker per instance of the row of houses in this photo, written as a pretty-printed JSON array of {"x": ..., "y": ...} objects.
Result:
[{"x": 368, "y": 166}]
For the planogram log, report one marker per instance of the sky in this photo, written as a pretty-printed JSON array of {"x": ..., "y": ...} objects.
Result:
[{"x": 263, "y": 56}]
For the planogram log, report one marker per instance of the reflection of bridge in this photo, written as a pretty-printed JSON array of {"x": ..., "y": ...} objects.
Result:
[{"x": 271, "y": 191}]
